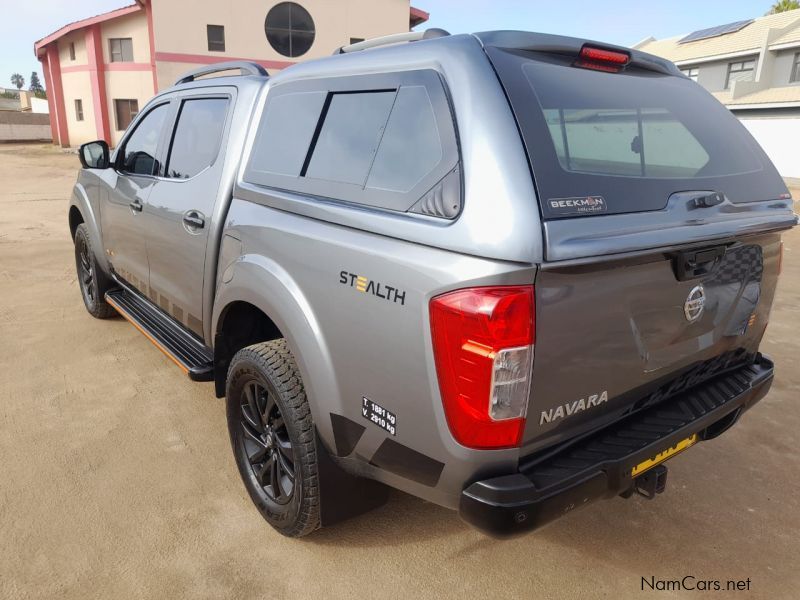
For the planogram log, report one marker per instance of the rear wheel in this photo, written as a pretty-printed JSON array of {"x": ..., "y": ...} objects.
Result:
[
  {"x": 92, "y": 281},
  {"x": 272, "y": 435}
]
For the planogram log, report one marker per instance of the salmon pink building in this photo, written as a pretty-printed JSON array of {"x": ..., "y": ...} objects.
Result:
[{"x": 101, "y": 71}]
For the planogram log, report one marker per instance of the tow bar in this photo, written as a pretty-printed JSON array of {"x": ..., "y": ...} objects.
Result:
[
  {"x": 648, "y": 484},
  {"x": 651, "y": 483}
]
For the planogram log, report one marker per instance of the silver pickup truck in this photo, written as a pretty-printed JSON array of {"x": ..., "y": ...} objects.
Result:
[{"x": 509, "y": 273}]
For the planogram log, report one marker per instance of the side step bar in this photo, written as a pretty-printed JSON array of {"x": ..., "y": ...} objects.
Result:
[{"x": 186, "y": 351}]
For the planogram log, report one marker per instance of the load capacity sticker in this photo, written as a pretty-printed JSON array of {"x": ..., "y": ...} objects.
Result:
[{"x": 378, "y": 415}]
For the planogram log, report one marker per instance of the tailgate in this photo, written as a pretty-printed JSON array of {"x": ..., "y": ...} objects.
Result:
[{"x": 617, "y": 335}]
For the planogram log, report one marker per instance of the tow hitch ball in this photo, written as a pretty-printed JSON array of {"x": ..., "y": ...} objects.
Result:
[{"x": 649, "y": 484}]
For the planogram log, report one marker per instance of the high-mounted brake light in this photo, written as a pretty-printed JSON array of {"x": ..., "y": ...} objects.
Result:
[
  {"x": 483, "y": 345},
  {"x": 607, "y": 56}
]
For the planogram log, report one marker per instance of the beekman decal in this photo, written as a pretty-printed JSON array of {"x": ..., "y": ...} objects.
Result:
[
  {"x": 583, "y": 205},
  {"x": 370, "y": 286}
]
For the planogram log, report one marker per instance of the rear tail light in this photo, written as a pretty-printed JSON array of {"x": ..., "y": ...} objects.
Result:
[{"x": 483, "y": 345}]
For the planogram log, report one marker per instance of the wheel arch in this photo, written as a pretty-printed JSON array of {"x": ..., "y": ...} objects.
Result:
[
  {"x": 240, "y": 324},
  {"x": 75, "y": 219},
  {"x": 256, "y": 290},
  {"x": 81, "y": 211}
]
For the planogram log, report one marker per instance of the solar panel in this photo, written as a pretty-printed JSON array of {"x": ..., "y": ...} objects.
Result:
[{"x": 703, "y": 34}]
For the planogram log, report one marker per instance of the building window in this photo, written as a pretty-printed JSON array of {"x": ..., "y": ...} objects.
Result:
[
  {"x": 125, "y": 111},
  {"x": 121, "y": 49},
  {"x": 216, "y": 38},
  {"x": 290, "y": 29},
  {"x": 795, "y": 77},
  {"x": 72, "y": 50},
  {"x": 740, "y": 71},
  {"x": 78, "y": 110},
  {"x": 356, "y": 40},
  {"x": 691, "y": 73}
]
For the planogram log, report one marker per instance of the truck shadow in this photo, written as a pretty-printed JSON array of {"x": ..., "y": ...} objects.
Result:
[
  {"x": 695, "y": 528},
  {"x": 403, "y": 519}
]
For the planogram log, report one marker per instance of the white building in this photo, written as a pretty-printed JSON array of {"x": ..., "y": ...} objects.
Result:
[{"x": 753, "y": 68}]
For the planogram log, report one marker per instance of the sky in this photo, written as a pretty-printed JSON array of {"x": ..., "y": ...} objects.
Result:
[{"x": 622, "y": 22}]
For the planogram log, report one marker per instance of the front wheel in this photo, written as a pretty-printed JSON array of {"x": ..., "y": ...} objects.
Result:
[
  {"x": 92, "y": 281},
  {"x": 272, "y": 435}
]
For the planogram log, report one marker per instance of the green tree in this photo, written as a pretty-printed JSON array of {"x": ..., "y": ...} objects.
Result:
[
  {"x": 783, "y": 6},
  {"x": 35, "y": 84},
  {"x": 18, "y": 80}
]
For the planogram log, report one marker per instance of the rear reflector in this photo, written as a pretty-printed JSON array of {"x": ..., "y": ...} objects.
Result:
[
  {"x": 605, "y": 56},
  {"x": 483, "y": 345}
]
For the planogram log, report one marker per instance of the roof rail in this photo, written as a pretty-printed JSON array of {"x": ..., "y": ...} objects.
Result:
[
  {"x": 246, "y": 68},
  {"x": 395, "y": 38}
]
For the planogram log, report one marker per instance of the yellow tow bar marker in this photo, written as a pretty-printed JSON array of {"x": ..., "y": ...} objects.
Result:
[{"x": 664, "y": 455}]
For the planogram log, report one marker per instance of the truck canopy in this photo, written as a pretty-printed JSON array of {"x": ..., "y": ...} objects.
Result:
[{"x": 609, "y": 138}]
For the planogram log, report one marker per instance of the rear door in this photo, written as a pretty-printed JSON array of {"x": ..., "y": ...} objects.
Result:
[
  {"x": 179, "y": 208},
  {"x": 660, "y": 218},
  {"x": 136, "y": 165}
]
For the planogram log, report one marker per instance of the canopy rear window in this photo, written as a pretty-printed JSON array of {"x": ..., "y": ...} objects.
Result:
[{"x": 626, "y": 140}]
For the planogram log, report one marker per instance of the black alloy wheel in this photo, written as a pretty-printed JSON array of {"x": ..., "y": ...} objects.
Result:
[
  {"x": 266, "y": 443},
  {"x": 273, "y": 436},
  {"x": 93, "y": 282},
  {"x": 85, "y": 270}
]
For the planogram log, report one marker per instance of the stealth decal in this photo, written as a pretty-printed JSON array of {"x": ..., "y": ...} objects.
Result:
[{"x": 375, "y": 288}]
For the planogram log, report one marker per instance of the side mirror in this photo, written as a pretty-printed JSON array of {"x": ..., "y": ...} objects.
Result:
[{"x": 94, "y": 155}]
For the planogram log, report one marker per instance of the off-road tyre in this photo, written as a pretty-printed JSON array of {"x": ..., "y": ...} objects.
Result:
[
  {"x": 283, "y": 415},
  {"x": 92, "y": 281}
]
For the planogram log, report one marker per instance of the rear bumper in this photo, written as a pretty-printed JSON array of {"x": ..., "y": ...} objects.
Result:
[{"x": 600, "y": 465}]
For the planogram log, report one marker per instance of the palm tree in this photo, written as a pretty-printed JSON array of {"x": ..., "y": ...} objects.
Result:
[
  {"x": 783, "y": 5},
  {"x": 18, "y": 80}
]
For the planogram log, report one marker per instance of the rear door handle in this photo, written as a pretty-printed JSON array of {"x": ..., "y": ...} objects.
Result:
[
  {"x": 136, "y": 206},
  {"x": 691, "y": 264},
  {"x": 194, "y": 220}
]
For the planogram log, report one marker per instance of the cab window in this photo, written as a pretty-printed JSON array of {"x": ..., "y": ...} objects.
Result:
[
  {"x": 197, "y": 137},
  {"x": 138, "y": 155}
]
